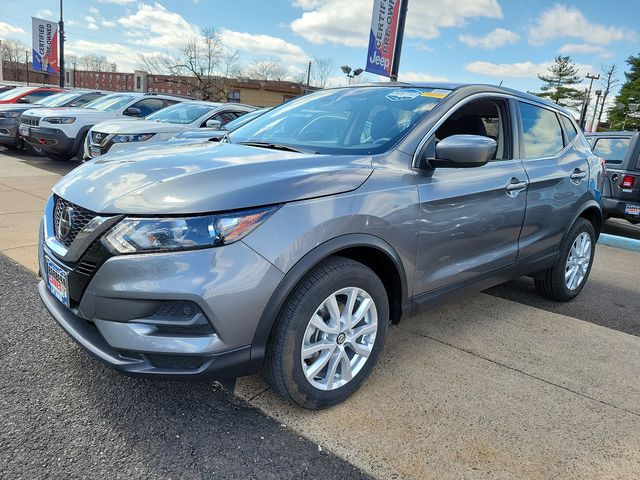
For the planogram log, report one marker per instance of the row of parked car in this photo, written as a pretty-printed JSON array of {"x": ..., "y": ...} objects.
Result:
[{"x": 88, "y": 123}]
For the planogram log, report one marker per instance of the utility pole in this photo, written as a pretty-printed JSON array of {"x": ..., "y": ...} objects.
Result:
[
  {"x": 61, "y": 40},
  {"x": 595, "y": 110},
  {"x": 26, "y": 65},
  {"x": 306, "y": 90},
  {"x": 404, "y": 7},
  {"x": 587, "y": 100}
]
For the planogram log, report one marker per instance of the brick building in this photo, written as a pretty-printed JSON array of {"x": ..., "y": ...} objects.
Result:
[{"x": 253, "y": 92}]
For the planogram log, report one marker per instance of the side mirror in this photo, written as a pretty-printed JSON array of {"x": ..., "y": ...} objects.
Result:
[
  {"x": 213, "y": 124},
  {"x": 23, "y": 100},
  {"x": 463, "y": 151},
  {"x": 133, "y": 112}
]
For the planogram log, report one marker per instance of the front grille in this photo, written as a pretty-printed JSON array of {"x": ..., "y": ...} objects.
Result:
[
  {"x": 79, "y": 219},
  {"x": 181, "y": 362},
  {"x": 177, "y": 309},
  {"x": 30, "y": 120},
  {"x": 80, "y": 275}
]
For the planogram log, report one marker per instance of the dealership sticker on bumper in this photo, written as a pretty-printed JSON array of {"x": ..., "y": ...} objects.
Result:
[
  {"x": 94, "y": 152},
  {"x": 23, "y": 130},
  {"x": 632, "y": 209},
  {"x": 57, "y": 282}
]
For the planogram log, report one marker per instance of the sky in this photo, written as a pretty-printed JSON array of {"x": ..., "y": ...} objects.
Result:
[{"x": 485, "y": 41}]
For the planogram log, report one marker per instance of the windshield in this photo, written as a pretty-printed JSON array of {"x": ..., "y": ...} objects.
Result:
[
  {"x": 181, "y": 113},
  {"x": 343, "y": 121},
  {"x": 246, "y": 118},
  {"x": 57, "y": 100},
  {"x": 109, "y": 103},
  {"x": 14, "y": 92}
]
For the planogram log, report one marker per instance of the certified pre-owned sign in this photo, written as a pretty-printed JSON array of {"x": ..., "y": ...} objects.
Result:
[{"x": 382, "y": 37}]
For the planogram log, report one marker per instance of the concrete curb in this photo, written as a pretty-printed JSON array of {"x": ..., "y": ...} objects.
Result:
[{"x": 619, "y": 242}]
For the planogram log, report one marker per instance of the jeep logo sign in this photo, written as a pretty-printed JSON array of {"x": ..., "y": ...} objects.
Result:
[{"x": 382, "y": 37}]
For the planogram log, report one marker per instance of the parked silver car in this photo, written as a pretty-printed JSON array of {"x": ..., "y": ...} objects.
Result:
[{"x": 293, "y": 246}]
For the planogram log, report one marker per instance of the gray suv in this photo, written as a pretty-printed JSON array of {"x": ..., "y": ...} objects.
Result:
[{"x": 293, "y": 244}]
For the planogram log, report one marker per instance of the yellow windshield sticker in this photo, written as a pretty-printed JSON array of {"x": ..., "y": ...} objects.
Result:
[{"x": 433, "y": 94}]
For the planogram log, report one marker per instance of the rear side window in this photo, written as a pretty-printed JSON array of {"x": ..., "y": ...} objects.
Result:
[
  {"x": 613, "y": 150},
  {"x": 569, "y": 127},
  {"x": 541, "y": 131},
  {"x": 149, "y": 105}
]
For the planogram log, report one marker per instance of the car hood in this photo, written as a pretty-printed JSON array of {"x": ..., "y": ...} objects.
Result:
[
  {"x": 72, "y": 112},
  {"x": 17, "y": 107},
  {"x": 207, "y": 177},
  {"x": 133, "y": 126}
]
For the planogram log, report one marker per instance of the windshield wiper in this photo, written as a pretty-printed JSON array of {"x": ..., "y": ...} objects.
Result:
[{"x": 275, "y": 146}]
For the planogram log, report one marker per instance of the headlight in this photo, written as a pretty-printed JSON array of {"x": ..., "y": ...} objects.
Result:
[
  {"x": 59, "y": 120},
  {"x": 141, "y": 137},
  {"x": 143, "y": 235},
  {"x": 10, "y": 114}
]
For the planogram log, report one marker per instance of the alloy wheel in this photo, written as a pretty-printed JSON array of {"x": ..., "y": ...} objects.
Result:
[
  {"x": 339, "y": 338},
  {"x": 578, "y": 261}
]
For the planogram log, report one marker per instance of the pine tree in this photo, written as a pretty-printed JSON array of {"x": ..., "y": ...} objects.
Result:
[
  {"x": 629, "y": 94},
  {"x": 558, "y": 83}
]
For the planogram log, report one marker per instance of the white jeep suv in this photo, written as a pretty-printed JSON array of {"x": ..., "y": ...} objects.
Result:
[
  {"x": 123, "y": 134},
  {"x": 61, "y": 132}
]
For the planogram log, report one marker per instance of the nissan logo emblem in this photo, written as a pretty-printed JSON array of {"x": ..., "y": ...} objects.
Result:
[{"x": 65, "y": 223}]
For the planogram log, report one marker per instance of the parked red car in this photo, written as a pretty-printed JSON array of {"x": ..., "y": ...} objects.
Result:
[{"x": 27, "y": 94}]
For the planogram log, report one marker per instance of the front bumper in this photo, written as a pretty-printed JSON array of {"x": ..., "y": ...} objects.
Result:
[
  {"x": 9, "y": 131},
  {"x": 114, "y": 320},
  {"x": 52, "y": 140}
]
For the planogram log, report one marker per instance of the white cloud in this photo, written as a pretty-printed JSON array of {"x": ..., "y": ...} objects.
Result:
[
  {"x": 115, "y": 52},
  {"x": 160, "y": 27},
  {"x": 94, "y": 11},
  {"x": 91, "y": 22},
  {"x": 562, "y": 21},
  {"x": 494, "y": 39},
  {"x": 420, "y": 46},
  {"x": 263, "y": 45},
  {"x": 412, "y": 77},
  {"x": 348, "y": 23},
  {"x": 7, "y": 30},
  {"x": 517, "y": 69},
  {"x": 586, "y": 49},
  {"x": 117, "y": 2},
  {"x": 45, "y": 14}
]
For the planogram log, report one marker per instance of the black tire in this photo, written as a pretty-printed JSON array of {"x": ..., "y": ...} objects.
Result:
[
  {"x": 283, "y": 367},
  {"x": 33, "y": 150},
  {"x": 552, "y": 283},
  {"x": 59, "y": 157},
  {"x": 633, "y": 222},
  {"x": 80, "y": 151}
]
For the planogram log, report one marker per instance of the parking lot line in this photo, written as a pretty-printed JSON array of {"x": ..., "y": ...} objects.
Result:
[{"x": 486, "y": 387}]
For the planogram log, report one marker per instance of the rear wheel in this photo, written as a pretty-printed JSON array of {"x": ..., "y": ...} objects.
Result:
[
  {"x": 565, "y": 280},
  {"x": 329, "y": 336},
  {"x": 80, "y": 151}
]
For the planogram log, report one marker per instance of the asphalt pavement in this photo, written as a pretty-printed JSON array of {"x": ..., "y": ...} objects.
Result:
[{"x": 64, "y": 415}]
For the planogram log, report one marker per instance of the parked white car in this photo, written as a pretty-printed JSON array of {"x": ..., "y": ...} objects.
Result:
[
  {"x": 118, "y": 135},
  {"x": 61, "y": 132}
]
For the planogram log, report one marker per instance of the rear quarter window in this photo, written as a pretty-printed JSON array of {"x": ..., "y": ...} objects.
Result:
[{"x": 613, "y": 150}]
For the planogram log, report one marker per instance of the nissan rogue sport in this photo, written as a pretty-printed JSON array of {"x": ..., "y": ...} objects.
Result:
[{"x": 290, "y": 246}]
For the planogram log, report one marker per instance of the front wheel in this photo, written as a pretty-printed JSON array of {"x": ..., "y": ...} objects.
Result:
[
  {"x": 329, "y": 336},
  {"x": 565, "y": 280}
]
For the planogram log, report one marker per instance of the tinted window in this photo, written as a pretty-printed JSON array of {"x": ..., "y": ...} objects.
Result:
[
  {"x": 541, "y": 131},
  {"x": 109, "y": 103},
  {"x": 225, "y": 117},
  {"x": 182, "y": 113},
  {"x": 39, "y": 94},
  {"x": 86, "y": 99},
  {"x": 14, "y": 92},
  {"x": 613, "y": 150},
  {"x": 569, "y": 127},
  {"x": 149, "y": 105}
]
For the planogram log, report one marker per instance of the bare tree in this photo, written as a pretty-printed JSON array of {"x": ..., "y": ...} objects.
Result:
[
  {"x": 265, "y": 70},
  {"x": 13, "y": 54},
  {"x": 609, "y": 82},
  {"x": 95, "y": 63},
  {"x": 321, "y": 70},
  {"x": 202, "y": 66}
]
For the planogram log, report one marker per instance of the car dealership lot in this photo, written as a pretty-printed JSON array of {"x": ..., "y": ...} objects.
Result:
[{"x": 501, "y": 385}]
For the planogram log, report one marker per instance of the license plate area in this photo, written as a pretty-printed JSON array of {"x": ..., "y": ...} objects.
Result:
[
  {"x": 632, "y": 209},
  {"x": 94, "y": 151},
  {"x": 57, "y": 281}
]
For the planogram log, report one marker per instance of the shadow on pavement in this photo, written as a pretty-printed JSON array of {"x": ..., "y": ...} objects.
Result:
[
  {"x": 42, "y": 163},
  {"x": 621, "y": 228}
]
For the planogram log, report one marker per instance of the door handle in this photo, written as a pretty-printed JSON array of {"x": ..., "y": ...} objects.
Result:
[
  {"x": 578, "y": 174},
  {"x": 515, "y": 186}
]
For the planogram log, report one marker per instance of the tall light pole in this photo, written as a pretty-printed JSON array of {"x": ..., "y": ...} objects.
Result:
[
  {"x": 61, "y": 40},
  {"x": 346, "y": 69},
  {"x": 595, "y": 110},
  {"x": 587, "y": 100}
]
